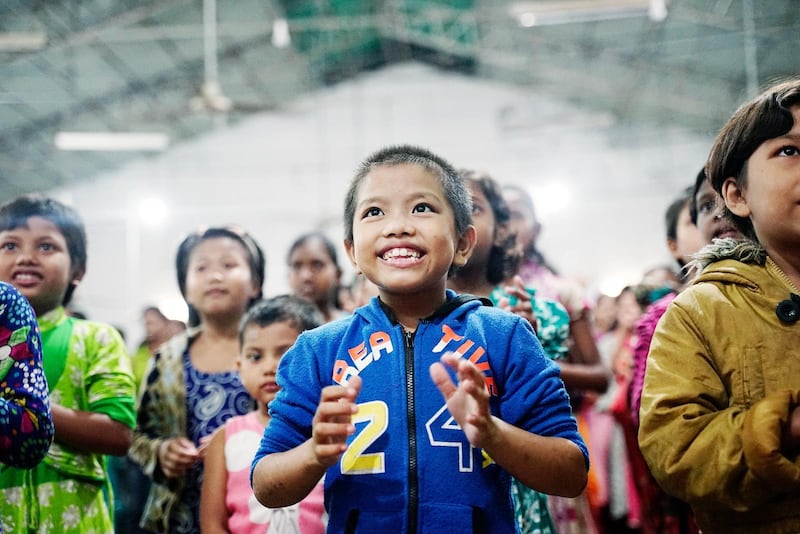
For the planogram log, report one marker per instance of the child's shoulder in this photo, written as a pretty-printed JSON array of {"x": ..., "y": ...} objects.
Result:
[
  {"x": 330, "y": 330},
  {"x": 88, "y": 328},
  {"x": 489, "y": 313}
]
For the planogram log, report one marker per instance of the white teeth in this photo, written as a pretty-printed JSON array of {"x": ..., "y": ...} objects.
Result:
[
  {"x": 401, "y": 253},
  {"x": 25, "y": 277}
]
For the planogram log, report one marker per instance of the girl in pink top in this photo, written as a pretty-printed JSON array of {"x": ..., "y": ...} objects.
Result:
[{"x": 227, "y": 503}]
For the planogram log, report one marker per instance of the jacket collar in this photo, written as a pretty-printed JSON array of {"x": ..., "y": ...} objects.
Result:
[{"x": 743, "y": 250}]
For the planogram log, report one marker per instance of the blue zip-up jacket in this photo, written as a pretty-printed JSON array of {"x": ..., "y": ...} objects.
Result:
[{"x": 409, "y": 466}]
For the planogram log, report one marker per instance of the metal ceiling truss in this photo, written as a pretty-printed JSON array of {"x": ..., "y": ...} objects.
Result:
[{"x": 691, "y": 69}]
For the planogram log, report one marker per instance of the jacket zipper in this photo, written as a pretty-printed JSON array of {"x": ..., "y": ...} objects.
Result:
[
  {"x": 783, "y": 275},
  {"x": 413, "y": 482}
]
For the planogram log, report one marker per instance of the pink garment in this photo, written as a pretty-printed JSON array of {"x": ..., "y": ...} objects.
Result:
[
  {"x": 248, "y": 516},
  {"x": 548, "y": 285},
  {"x": 644, "y": 329}
]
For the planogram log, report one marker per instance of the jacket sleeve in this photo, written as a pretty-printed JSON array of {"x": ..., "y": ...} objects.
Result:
[
  {"x": 701, "y": 447},
  {"x": 534, "y": 396}
]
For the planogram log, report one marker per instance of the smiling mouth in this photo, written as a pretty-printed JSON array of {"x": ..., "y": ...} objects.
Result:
[
  {"x": 401, "y": 254},
  {"x": 26, "y": 278}
]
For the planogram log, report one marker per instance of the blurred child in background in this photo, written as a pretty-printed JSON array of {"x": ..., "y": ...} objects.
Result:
[
  {"x": 227, "y": 503},
  {"x": 193, "y": 386},
  {"x": 314, "y": 273},
  {"x": 92, "y": 392}
]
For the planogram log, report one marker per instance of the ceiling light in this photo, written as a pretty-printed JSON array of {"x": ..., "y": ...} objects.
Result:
[
  {"x": 112, "y": 141},
  {"x": 22, "y": 41},
  {"x": 281, "y": 38},
  {"x": 152, "y": 211},
  {"x": 536, "y": 13}
]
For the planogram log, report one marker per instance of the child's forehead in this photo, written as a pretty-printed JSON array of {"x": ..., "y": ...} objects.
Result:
[
  {"x": 390, "y": 177},
  {"x": 218, "y": 244},
  {"x": 34, "y": 223},
  {"x": 267, "y": 332}
]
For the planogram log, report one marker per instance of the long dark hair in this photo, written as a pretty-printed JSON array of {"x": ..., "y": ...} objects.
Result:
[{"x": 504, "y": 256}]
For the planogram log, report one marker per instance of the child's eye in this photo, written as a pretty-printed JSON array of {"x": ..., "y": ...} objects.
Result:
[
  {"x": 709, "y": 206},
  {"x": 253, "y": 356},
  {"x": 47, "y": 247},
  {"x": 8, "y": 246},
  {"x": 788, "y": 150},
  {"x": 372, "y": 212},
  {"x": 422, "y": 208}
]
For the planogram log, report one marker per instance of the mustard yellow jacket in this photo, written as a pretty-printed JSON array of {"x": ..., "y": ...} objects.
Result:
[{"x": 723, "y": 375}]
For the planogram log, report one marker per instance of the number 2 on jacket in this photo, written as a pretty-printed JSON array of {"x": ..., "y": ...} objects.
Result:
[{"x": 443, "y": 431}]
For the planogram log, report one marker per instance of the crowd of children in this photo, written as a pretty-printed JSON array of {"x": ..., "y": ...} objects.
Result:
[{"x": 458, "y": 358}]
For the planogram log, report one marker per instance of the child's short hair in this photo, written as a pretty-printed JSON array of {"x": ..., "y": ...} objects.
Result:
[
  {"x": 505, "y": 257},
  {"x": 16, "y": 212},
  {"x": 298, "y": 312},
  {"x": 765, "y": 117},
  {"x": 255, "y": 258},
  {"x": 454, "y": 188}
]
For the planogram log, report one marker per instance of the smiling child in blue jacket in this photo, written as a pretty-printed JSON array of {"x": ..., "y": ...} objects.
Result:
[{"x": 370, "y": 401}]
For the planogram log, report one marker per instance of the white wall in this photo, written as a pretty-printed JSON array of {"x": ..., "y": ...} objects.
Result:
[{"x": 283, "y": 173}]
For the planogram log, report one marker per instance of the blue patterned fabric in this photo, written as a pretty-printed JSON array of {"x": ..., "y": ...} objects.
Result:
[
  {"x": 26, "y": 424},
  {"x": 212, "y": 399}
]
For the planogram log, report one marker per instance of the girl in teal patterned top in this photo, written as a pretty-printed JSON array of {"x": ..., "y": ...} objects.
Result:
[
  {"x": 43, "y": 254},
  {"x": 494, "y": 261}
]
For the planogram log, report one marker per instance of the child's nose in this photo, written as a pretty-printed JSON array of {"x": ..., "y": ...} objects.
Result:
[
  {"x": 25, "y": 256},
  {"x": 398, "y": 225}
]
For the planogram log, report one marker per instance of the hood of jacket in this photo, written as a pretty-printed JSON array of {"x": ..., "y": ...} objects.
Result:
[{"x": 742, "y": 250}]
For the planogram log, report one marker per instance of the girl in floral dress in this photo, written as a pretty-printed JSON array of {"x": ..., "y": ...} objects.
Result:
[
  {"x": 92, "y": 392},
  {"x": 192, "y": 386}
]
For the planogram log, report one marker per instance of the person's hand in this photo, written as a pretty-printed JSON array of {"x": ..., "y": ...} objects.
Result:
[
  {"x": 467, "y": 401},
  {"x": 518, "y": 301},
  {"x": 176, "y": 456},
  {"x": 333, "y": 421},
  {"x": 204, "y": 443}
]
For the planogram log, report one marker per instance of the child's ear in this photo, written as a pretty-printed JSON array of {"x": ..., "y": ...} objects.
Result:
[
  {"x": 77, "y": 276},
  {"x": 256, "y": 291},
  {"x": 464, "y": 246},
  {"x": 672, "y": 246},
  {"x": 734, "y": 197},
  {"x": 351, "y": 254}
]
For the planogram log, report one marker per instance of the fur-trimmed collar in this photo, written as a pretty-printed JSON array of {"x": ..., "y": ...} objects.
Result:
[{"x": 743, "y": 250}]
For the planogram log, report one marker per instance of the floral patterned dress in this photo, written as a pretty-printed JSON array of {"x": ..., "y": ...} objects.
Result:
[
  {"x": 88, "y": 369},
  {"x": 26, "y": 424}
]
